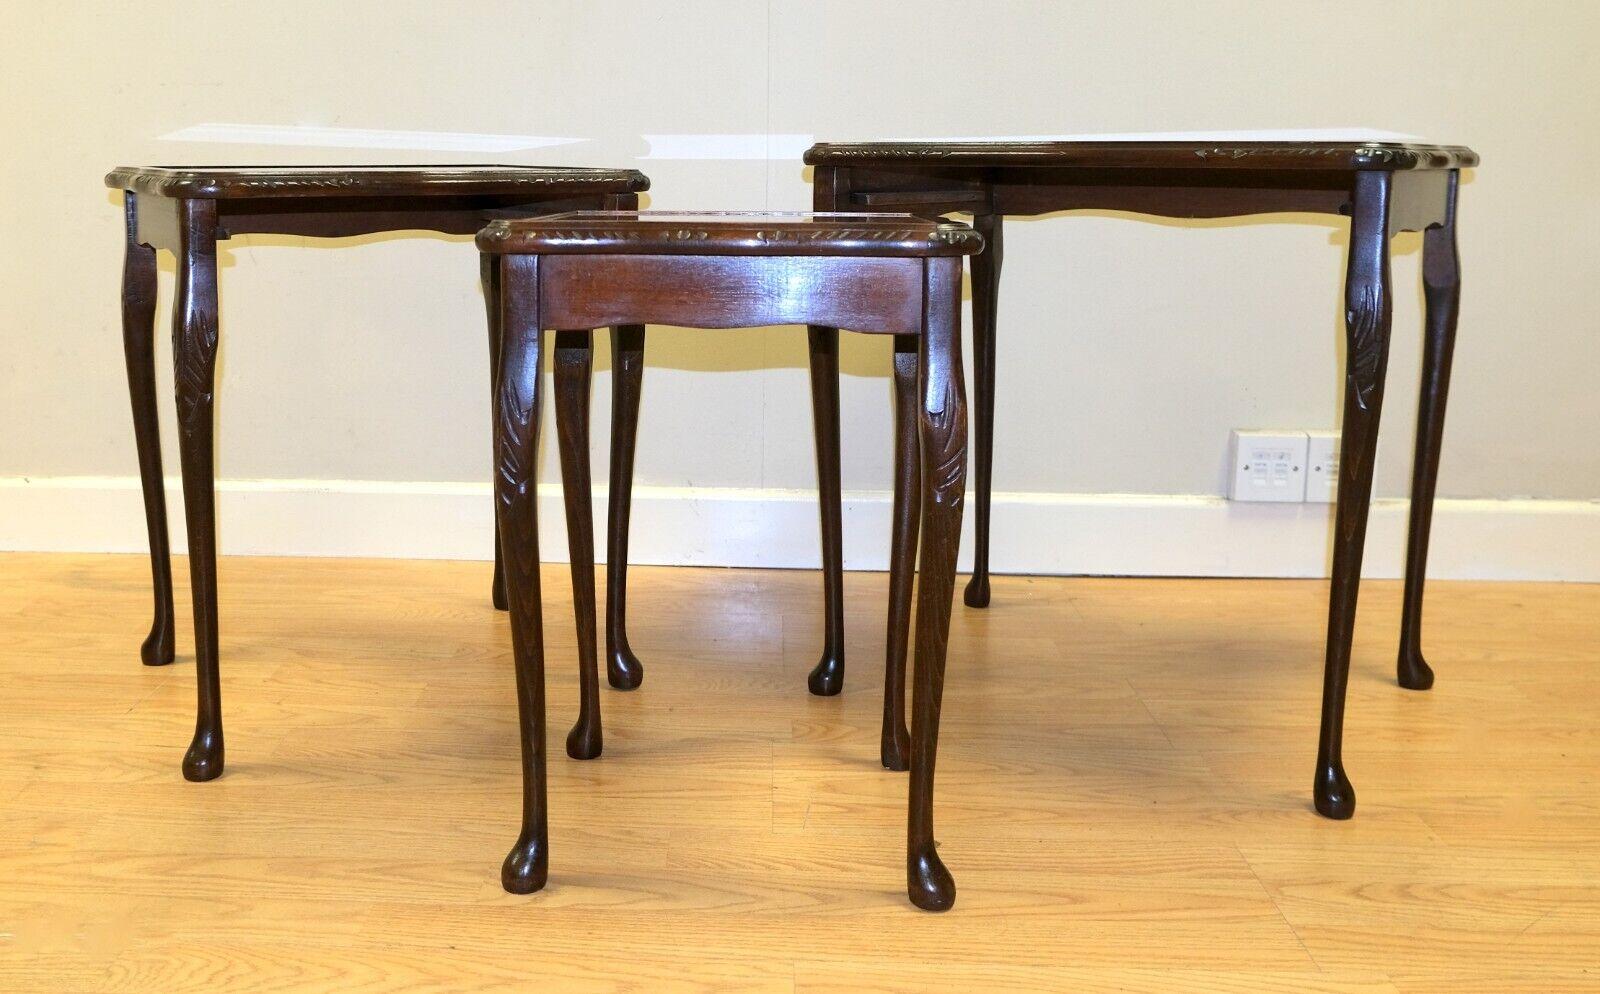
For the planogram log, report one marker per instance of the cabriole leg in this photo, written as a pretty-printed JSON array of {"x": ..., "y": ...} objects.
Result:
[
  {"x": 489, "y": 274},
  {"x": 194, "y": 354},
  {"x": 574, "y": 360},
  {"x": 516, "y": 431},
  {"x": 1367, "y": 314},
  {"x": 985, "y": 305},
  {"x": 623, "y": 669},
  {"x": 895, "y": 748},
  {"x": 827, "y": 677},
  {"x": 942, "y": 429},
  {"x": 1441, "y": 282},
  {"x": 138, "y": 349}
]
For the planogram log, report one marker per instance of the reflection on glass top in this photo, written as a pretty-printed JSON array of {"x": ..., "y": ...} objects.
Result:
[
  {"x": 729, "y": 217},
  {"x": 1259, "y": 135},
  {"x": 370, "y": 167}
]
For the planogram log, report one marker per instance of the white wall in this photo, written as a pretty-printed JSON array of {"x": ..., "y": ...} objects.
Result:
[{"x": 1138, "y": 343}]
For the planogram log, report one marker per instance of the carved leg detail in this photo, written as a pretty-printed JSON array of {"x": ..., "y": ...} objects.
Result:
[
  {"x": 942, "y": 429},
  {"x": 1441, "y": 281},
  {"x": 827, "y": 677},
  {"x": 138, "y": 347},
  {"x": 516, "y": 431},
  {"x": 985, "y": 304},
  {"x": 489, "y": 274},
  {"x": 1367, "y": 316},
  {"x": 574, "y": 360},
  {"x": 895, "y": 750},
  {"x": 623, "y": 669},
  {"x": 194, "y": 354}
]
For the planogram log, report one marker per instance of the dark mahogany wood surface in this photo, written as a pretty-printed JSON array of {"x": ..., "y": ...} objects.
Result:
[
  {"x": 1313, "y": 155},
  {"x": 730, "y": 233},
  {"x": 228, "y": 182},
  {"x": 870, "y": 295}
]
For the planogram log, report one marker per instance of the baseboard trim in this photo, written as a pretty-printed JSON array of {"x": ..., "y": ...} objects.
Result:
[{"x": 1112, "y": 534}]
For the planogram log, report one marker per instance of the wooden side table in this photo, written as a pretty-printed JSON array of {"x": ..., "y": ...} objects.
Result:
[
  {"x": 1384, "y": 188},
  {"x": 889, "y": 274},
  {"x": 186, "y": 212}
]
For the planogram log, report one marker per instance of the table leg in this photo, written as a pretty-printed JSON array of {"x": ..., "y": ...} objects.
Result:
[
  {"x": 623, "y": 669},
  {"x": 895, "y": 749},
  {"x": 1441, "y": 282},
  {"x": 194, "y": 355},
  {"x": 985, "y": 303},
  {"x": 516, "y": 433},
  {"x": 827, "y": 677},
  {"x": 942, "y": 430},
  {"x": 489, "y": 274},
  {"x": 1367, "y": 316},
  {"x": 574, "y": 360},
  {"x": 138, "y": 348}
]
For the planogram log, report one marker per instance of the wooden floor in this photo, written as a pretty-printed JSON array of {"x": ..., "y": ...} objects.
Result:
[{"x": 1123, "y": 796}]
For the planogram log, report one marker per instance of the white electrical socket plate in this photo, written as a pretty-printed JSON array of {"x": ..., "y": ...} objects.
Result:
[
  {"x": 1268, "y": 466},
  {"x": 1322, "y": 467}
]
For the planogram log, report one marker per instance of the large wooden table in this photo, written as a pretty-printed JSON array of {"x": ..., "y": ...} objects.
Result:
[{"x": 1383, "y": 187}]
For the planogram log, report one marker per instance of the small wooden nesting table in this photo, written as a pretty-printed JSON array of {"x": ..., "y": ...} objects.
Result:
[
  {"x": 889, "y": 274},
  {"x": 187, "y": 211},
  {"x": 1383, "y": 187}
]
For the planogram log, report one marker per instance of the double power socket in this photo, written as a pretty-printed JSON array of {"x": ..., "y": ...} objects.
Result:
[{"x": 1284, "y": 466}]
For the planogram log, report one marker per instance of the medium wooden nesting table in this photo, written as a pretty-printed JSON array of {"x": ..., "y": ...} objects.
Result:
[
  {"x": 1384, "y": 188},
  {"x": 187, "y": 211}
]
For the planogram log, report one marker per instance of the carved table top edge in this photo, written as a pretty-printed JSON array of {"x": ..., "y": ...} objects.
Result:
[
  {"x": 729, "y": 234},
  {"x": 1337, "y": 156},
  {"x": 229, "y": 182}
]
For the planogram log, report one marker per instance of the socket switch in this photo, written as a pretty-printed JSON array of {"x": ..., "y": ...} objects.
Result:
[
  {"x": 1322, "y": 466},
  {"x": 1268, "y": 466}
]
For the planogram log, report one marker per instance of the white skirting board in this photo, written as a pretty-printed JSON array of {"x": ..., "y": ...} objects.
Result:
[{"x": 1109, "y": 534}]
